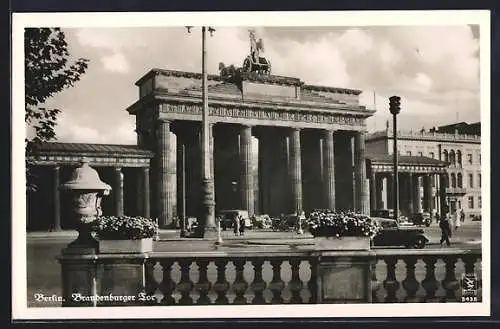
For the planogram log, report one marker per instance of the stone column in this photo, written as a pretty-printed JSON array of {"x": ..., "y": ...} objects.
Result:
[
  {"x": 295, "y": 170},
  {"x": 57, "y": 200},
  {"x": 373, "y": 190},
  {"x": 164, "y": 185},
  {"x": 417, "y": 197},
  {"x": 146, "y": 211},
  {"x": 443, "y": 183},
  {"x": 329, "y": 169},
  {"x": 118, "y": 189},
  {"x": 362, "y": 197},
  {"x": 411, "y": 193},
  {"x": 390, "y": 191},
  {"x": 246, "y": 174},
  {"x": 379, "y": 199},
  {"x": 428, "y": 193},
  {"x": 181, "y": 176}
]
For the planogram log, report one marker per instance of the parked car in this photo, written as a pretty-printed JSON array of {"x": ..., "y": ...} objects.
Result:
[
  {"x": 262, "y": 221},
  {"x": 421, "y": 218},
  {"x": 228, "y": 216},
  {"x": 393, "y": 234},
  {"x": 388, "y": 213}
]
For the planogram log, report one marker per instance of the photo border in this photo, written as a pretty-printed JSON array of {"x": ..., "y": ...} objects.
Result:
[{"x": 407, "y": 18}]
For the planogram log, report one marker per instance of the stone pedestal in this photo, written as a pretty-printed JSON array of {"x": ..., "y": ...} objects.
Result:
[
  {"x": 343, "y": 279},
  {"x": 79, "y": 278}
]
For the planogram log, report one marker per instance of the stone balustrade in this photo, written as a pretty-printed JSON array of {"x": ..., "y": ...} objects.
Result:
[
  {"x": 278, "y": 277},
  {"x": 425, "y": 135}
]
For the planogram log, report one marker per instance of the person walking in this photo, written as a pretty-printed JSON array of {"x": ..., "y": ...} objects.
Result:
[
  {"x": 236, "y": 225},
  {"x": 445, "y": 226},
  {"x": 457, "y": 218},
  {"x": 242, "y": 224}
]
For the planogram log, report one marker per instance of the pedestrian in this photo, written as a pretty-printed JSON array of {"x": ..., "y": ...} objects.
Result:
[
  {"x": 457, "y": 218},
  {"x": 242, "y": 225},
  {"x": 236, "y": 224},
  {"x": 462, "y": 215},
  {"x": 444, "y": 225}
]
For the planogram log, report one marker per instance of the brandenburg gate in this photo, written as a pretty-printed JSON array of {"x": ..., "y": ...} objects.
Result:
[{"x": 311, "y": 143}]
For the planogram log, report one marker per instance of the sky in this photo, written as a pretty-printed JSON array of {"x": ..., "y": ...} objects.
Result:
[{"x": 435, "y": 69}]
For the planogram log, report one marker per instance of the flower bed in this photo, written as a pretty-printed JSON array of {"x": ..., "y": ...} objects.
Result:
[
  {"x": 124, "y": 228},
  {"x": 329, "y": 223}
]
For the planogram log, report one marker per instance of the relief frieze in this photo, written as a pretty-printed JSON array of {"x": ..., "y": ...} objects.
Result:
[{"x": 265, "y": 114}]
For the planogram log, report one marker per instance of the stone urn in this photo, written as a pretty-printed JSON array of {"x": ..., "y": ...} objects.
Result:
[{"x": 86, "y": 190}]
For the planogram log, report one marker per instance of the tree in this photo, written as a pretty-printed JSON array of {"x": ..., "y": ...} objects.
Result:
[{"x": 48, "y": 70}]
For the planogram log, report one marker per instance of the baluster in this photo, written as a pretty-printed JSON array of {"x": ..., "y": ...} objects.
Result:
[
  {"x": 276, "y": 285},
  {"x": 239, "y": 284},
  {"x": 375, "y": 283},
  {"x": 203, "y": 285},
  {"x": 150, "y": 284},
  {"x": 450, "y": 283},
  {"x": 469, "y": 263},
  {"x": 430, "y": 283},
  {"x": 295, "y": 285},
  {"x": 167, "y": 285},
  {"x": 185, "y": 286},
  {"x": 258, "y": 285},
  {"x": 391, "y": 284},
  {"x": 312, "y": 285},
  {"x": 410, "y": 283},
  {"x": 221, "y": 286}
]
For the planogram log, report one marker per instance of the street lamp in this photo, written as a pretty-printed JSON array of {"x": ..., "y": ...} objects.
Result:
[
  {"x": 394, "y": 108},
  {"x": 207, "y": 215}
]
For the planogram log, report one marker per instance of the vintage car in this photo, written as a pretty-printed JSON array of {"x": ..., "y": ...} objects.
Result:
[
  {"x": 393, "y": 234},
  {"x": 262, "y": 221},
  {"x": 228, "y": 216},
  {"x": 421, "y": 218}
]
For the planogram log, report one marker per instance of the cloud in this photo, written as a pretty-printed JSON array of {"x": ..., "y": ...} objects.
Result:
[
  {"x": 70, "y": 131},
  {"x": 115, "y": 63},
  {"x": 435, "y": 69}
]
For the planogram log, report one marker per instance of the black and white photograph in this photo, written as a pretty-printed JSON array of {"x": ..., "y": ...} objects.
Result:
[{"x": 251, "y": 165}]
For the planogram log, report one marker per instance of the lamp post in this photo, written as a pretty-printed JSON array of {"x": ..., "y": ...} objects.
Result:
[
  {"x": 394, "y": 108},
  {"x": 207, "y": 215}
]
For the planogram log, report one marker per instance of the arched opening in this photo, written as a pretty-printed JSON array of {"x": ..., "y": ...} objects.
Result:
[
  {"x": 459, "y": 180},
  {"x": 452, "y": 158},
  {"x": 445, "y": 155},
  {"x": 453, "y": 181}
]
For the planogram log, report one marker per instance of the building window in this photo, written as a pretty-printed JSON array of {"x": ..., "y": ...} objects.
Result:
[
  {"x": 471, "y": 202},
  {"x": 445, "y": 154},
  {"x": 408, "y": 153},
  {"x": 459, "y": 180},
  {"x": 452, "y": 157},
  {"x": 420, "y": 154},
  {"x": 469, "y": 158},
  {"x": 479, "y": 180},
  {"x": 431, "y": 155},
  {"x": 453, "y": 180},
  {"x": 479, "y": 202},
  {"x": 471, "y": 181},
  {"x": 479, "y": 158},
  {"x": 459, "y": 158}
]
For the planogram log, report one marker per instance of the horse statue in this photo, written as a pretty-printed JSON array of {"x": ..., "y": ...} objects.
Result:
[{"x": 254, "y": 62}]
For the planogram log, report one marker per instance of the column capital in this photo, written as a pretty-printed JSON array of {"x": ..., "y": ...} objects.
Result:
[
  {"x": 118, "y": 168},
  {"x": 56, "y": 168}
]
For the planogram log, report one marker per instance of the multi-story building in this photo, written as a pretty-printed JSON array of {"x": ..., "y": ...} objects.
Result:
[{"x": 458, "y": 144}]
